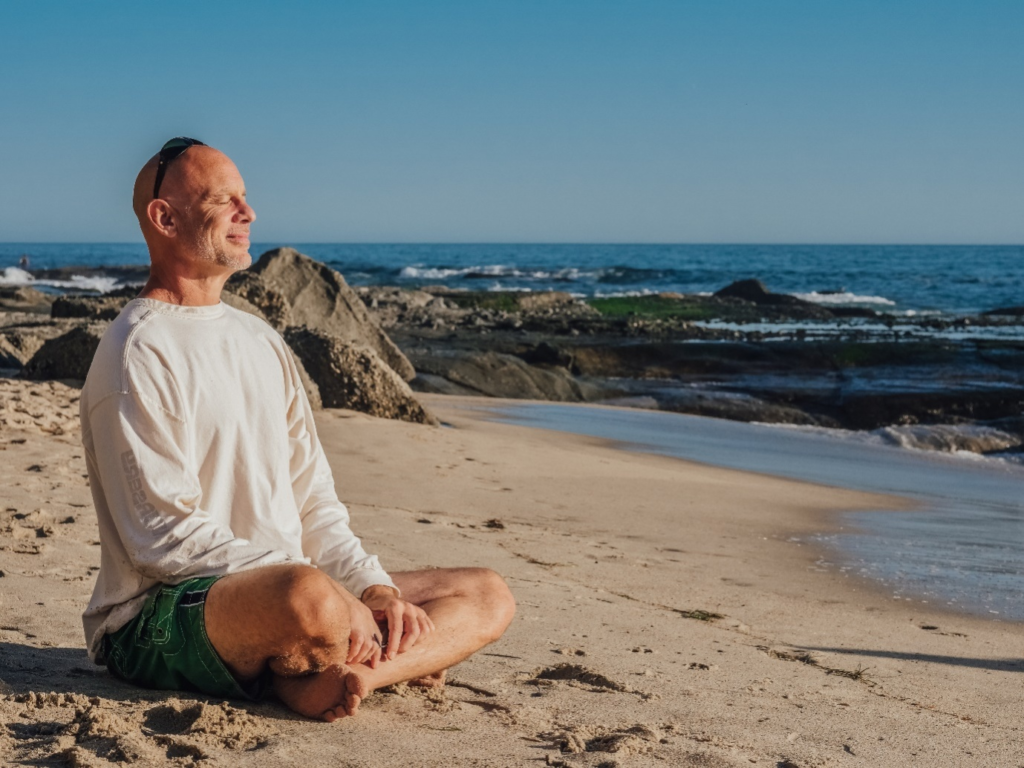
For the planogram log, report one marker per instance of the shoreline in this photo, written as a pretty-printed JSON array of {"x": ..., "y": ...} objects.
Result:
[
  {"x": 912, "y": 491},
  {"x": 664, "y": 616}
]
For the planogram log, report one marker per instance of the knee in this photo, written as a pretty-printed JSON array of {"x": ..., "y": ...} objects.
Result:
[
  {"x": 496, "y": 598},
  {"x": 315, "y": 609}
]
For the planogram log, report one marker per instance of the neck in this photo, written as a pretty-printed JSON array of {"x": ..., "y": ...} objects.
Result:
[{"x": 186, "y": 289}]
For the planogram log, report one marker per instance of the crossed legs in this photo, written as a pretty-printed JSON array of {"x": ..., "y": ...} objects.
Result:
[{"x": 294, "y": 621}]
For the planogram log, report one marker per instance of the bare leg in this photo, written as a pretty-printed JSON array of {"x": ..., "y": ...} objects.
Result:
[
  {"x": 470, "y": 607},
  {"x": 294, "y": 620}
]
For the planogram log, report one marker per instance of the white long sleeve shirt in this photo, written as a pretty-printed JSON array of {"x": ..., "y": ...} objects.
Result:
[{"x": 203, "y": 460}]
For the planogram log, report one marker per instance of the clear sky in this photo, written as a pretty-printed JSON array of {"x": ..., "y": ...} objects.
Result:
[{"x": 527, "y": 120}]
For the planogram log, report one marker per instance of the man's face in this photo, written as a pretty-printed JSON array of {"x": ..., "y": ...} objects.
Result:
[{"x": 213, "y": 215}]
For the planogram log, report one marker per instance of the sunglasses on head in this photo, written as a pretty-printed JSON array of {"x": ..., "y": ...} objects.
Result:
[{"x": 172, "y": 149}]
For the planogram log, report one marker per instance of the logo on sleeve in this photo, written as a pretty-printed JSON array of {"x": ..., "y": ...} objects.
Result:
[{"x": 133, "y": 477}]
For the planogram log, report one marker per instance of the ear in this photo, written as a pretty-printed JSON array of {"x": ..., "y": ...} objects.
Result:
[{"x": 163, "y": 218}]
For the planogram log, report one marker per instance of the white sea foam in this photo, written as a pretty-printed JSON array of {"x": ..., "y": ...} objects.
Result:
[
  {"x": 418, "y": 272},
  {"x": 13, "y": 276},
  {"x": 844, "y": 297},
  {"x": 966, "y": 441}
]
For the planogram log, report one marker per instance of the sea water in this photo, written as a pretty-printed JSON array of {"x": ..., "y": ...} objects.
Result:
[
  {"x": 908, "y": 280},
  {"x": 962, "y": 546}
]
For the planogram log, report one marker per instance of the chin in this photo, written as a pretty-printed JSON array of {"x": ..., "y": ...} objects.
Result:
[{"x": 236, "y": 258}]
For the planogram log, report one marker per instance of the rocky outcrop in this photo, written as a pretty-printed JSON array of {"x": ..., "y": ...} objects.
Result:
[
  {"x": 17, "y": 345},
  {"x": 1005, "y": 311},
  {"x": 67, "y": 356},
  {"x": 24, "y": 298},
  {"x": 104, "y": 307},
  {"x": 500, "y": 375},
  {"x": 755, "y": 292},
  {"x": 355, "y": 377},
  {"x": 292, "y": 290}
]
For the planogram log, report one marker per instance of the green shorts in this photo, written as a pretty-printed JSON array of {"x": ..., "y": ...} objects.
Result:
[{"x": 165, "y": 646}]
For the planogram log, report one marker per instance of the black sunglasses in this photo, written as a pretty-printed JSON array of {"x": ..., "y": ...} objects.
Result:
[{"x": 168, "y": 152}]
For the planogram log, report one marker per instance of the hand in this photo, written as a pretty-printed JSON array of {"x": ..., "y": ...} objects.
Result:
[
  {"x": 407, "y": 623},
  {"x": 364, "y": 646}
]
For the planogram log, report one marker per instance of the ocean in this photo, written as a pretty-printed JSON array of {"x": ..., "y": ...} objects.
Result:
[{"x": 904, "y": 280}]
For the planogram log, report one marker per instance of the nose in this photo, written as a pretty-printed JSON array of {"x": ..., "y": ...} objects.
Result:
[{"x": 246, "y": 215}]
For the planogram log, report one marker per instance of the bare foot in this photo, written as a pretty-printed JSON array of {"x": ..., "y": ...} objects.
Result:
[
  {"x": 435, "y": 680},
  {"x": 329, "y": 695}
]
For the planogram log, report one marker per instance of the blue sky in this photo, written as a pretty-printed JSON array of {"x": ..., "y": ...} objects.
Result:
[{"x": 528, "y": 121}]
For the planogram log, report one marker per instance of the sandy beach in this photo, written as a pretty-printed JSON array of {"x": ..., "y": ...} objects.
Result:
[{"x": 668, "y": 615}]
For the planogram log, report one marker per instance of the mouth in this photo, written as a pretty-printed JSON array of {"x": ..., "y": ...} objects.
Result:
[{"x": 239, "y": 238}]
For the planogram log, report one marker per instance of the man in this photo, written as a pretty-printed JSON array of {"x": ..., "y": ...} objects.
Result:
[{"x": 227, "y": 562}]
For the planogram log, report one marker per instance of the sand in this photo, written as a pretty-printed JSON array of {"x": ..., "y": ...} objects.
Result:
[{"x": 669, "y": 614}]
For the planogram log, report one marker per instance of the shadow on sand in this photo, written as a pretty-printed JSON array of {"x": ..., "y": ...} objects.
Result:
[
  {"x": 1000, "y": 665},
  {"x": 26, "y": 668}
]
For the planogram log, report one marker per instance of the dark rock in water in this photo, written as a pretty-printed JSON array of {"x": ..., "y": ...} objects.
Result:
[
  {"x": 501, "y": 375},
  {"x": 740, "y": 407},
  {"x": 755, "y": 292},
  {"x": 748, "y": 290},
  {"x": 853, "y": 312},
  {"x": 293, "y": 290},
  {"x": 1009, "y": 311},
  {"x": 354, "y": 377},
  {"x": 68, "y": 356},
  {"x": 94, "y": 307}
]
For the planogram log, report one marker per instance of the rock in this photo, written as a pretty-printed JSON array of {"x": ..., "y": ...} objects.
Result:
[
  {"x": 17, "y": 347},
  {"x": 67, "y": 356},
  {"x": 747, "y": 290},
  {"x": 739, "y": 407},
  {"x": 439, "y": 385},
  {"x": 355, "y": 377},
  {"x": 293, "y": 290},
  {"x": 500, "y": 375},
  {"x": 530, "y": 302},
  {"x": 546, "y": 353},
  {"x": 94, "y": 307},
  {"x": 1009, "y": 311},
  {"x": 24, "y": 298}
]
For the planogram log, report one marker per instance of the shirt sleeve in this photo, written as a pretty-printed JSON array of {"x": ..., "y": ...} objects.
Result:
[
  {"x": 153, "y": 493},
  {"x": 327, "y": 538}
]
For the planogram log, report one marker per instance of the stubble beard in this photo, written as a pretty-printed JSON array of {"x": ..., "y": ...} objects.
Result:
[{"x": 208, "y": 252}]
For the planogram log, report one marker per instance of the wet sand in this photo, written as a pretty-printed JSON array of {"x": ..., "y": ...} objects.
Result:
[{"x": 667, "y": 616}]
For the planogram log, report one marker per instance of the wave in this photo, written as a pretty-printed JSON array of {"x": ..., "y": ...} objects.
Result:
[
  {"x": 16, "y": 277},
  {"x": 844, "y": 297},
  {"x": 621, "y": 275},
  {"x": 488, "y": 271},
  {"x": 969, "y": 441}
]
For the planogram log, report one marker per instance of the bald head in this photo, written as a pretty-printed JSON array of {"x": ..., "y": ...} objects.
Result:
[
  {"x": 184, "y": 176},
  {"x": 201, "y": 219}
]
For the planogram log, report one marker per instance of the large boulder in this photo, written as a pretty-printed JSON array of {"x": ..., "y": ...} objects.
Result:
[
  {"x": 293, "y": 290},
  {"x": 355, "y": 377},
  {"x": 67, "y": 356}
]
